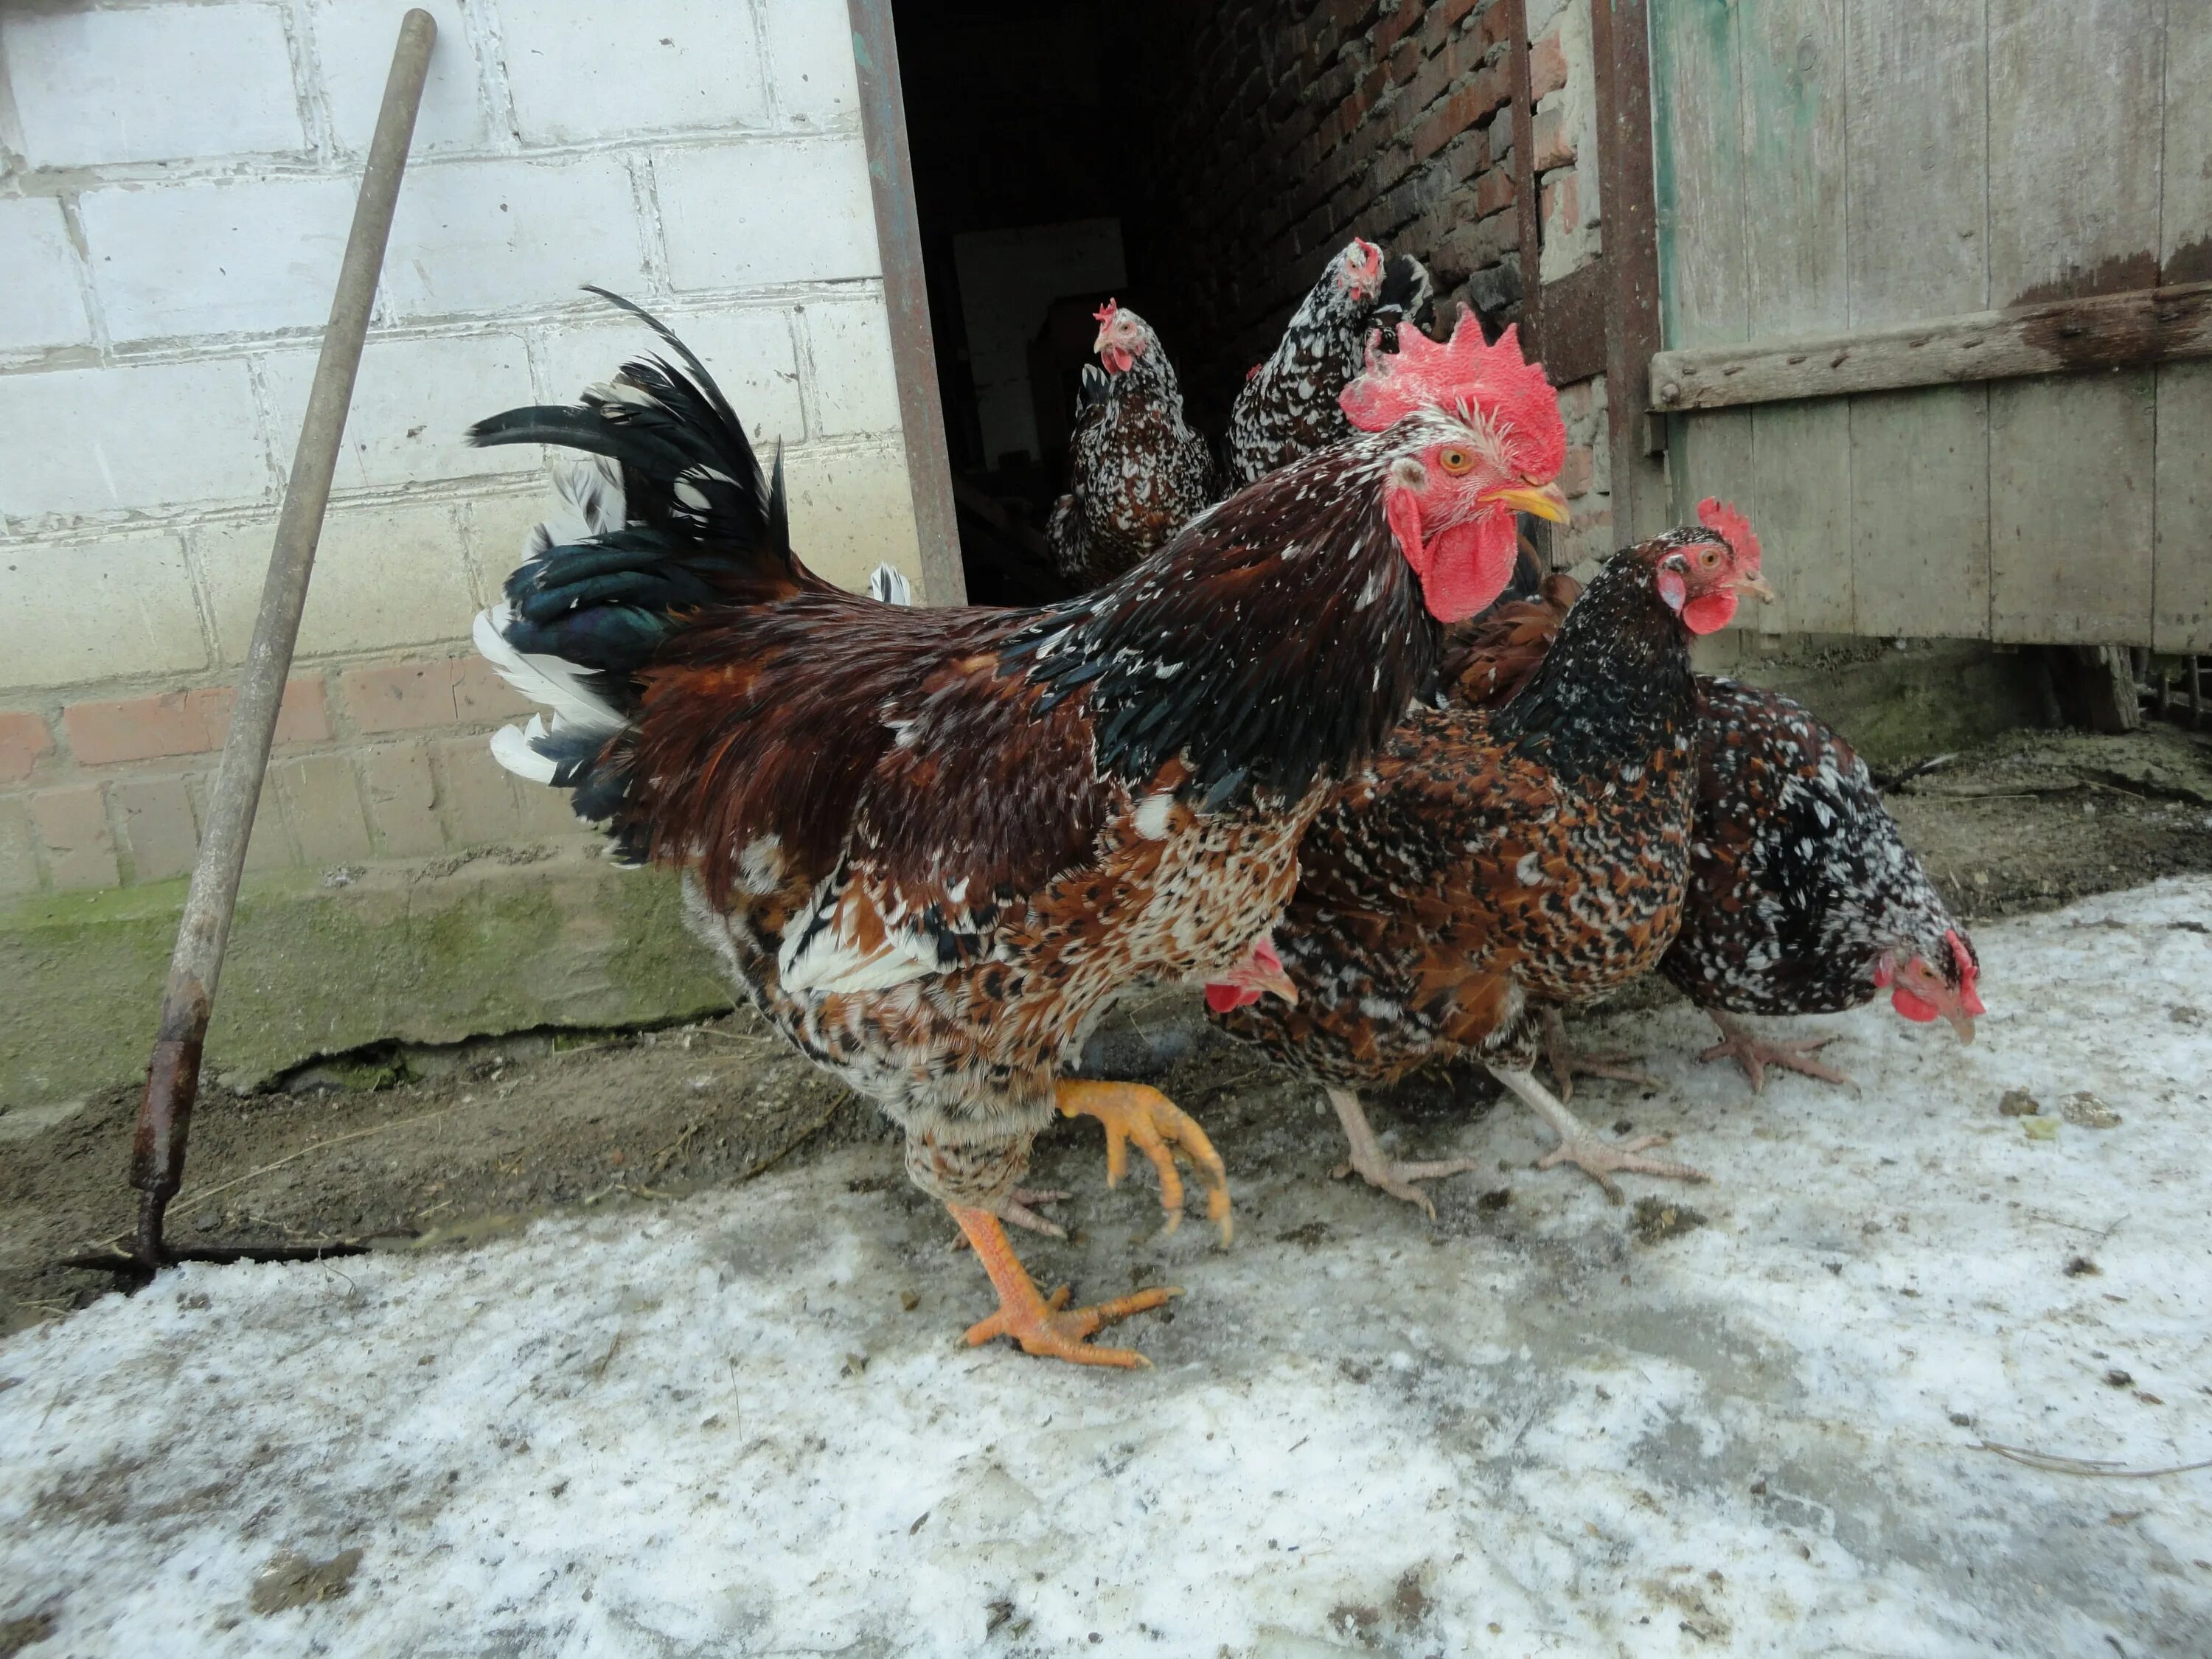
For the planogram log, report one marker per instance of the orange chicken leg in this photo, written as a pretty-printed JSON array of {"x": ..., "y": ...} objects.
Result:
[
  {"x": 1162, "y": 1132},
  {"x": 1045, "y": 1327}
]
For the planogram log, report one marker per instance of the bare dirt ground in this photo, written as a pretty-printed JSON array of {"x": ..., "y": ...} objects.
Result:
[{"x": 429, "y": 1151}]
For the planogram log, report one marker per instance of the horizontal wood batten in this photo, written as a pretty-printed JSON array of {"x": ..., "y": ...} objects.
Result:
[{"x": 2120, "y": 331}]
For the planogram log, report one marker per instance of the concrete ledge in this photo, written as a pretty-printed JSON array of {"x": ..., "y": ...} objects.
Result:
[{"x": 424, "y": 951}]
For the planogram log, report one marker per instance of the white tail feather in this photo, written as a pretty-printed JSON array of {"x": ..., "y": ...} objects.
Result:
[
  {"x": 510, "y": 747},
  {"x": 559, "y": 685},
  {"x": 888, "y": 584}
]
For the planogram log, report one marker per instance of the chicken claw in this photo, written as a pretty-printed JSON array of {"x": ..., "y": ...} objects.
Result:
[
  {"x": 1164, "y": 1131},
  {"x": 1047, "y": 1328},
  {"x": 1376, "y": 1166},
  {"x": 1581, "y": 1146},
  {"x": 1565, "y": 1061},
  {"x": 1755, "y": 1054}
]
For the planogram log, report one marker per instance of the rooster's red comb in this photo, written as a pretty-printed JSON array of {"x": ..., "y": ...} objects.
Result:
[
  {"x": 1731, "y": 526},
  {"x": 1104, "y": 315},
  {"x": 1467, "y": 378}
]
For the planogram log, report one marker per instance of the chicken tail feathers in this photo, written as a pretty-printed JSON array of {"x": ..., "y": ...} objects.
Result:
[{"x": 665, "y": 515}]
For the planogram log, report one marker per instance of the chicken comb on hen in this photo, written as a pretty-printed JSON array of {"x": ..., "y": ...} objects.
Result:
[
  {"x": 1518, "y": 405},
  {"x": 1721, "y": 518}
]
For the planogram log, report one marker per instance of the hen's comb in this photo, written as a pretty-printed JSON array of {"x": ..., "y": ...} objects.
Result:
[
  {"x": 1104, "y": 315},
  {"x": 1492, "y": 383},
  {"x": 1733, "y": 527}
]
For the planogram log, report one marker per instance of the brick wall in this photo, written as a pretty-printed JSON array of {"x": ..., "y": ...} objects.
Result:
[
  {"x": 176, "y": 181},
  {"x": 1386, "y": 119}
]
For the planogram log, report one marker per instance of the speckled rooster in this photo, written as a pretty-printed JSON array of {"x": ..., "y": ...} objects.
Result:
[
  {"x": 1289, "y": 405},
  {"x": 1490, "y": 863},
  {"x": 932, "y": 846},
  {"x": 1137, "y": 471},
  {"x": 1803, "y": 897}
]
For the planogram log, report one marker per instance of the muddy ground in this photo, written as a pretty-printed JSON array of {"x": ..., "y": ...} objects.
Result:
[{"x": 427, "y": 1150}]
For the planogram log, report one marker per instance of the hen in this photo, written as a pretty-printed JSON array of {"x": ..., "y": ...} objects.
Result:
[
  {"x": 1803, "y": 897},
  {"x": 1137, "y": 471},
  {"x": 932, "y": 846},
  {"x": 1490, "y": 863},
  {"x": 1288, "y": 406}
]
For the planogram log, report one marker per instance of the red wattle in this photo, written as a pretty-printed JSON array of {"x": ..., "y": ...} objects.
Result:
[
  {"x": 1116, "y": 359},
  {"x": 1220, "y": 999},
  {"x": 1911, "y": 1006},
  {"x": 1461, "y": 569},
  {"x": 1709, "y": 611}
]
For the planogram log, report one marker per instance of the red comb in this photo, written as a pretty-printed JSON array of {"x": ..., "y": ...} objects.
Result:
[
  {"x": 1733, "y": 527},
  {"x": 1969, "y": 971},
  {"x": 1466, "y": 378},
  {"x": 1104, "y": 313}
]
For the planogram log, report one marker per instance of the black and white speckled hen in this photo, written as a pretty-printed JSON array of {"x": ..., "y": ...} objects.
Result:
[
  {"x": 1137, "y": 471},
  {"x": 1803, "y": 897},
  {"x": 1288, "y": 406},
  {"x": 932, "y": 846},
  {"x": 1493, "y": 862}
]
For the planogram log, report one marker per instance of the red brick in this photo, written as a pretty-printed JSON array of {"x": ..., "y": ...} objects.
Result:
[
  {"x": 72, "y": 826},
  {"x": 1548, "y": 66},
  {"x": 1492, "y": 191},
  {"x": 1443, "y": 15},
  {"x": 1555, "y": 145},
  {"x": 1561, "y": 199},
  {"x": 23, "y": 739},
  {"x": 1393, "y": 25},
  {"x": 143, "y": 728},
  {"x": 479, "y": 694},
  {"x": 402, "y": 696},
  {"x": 183, "y": 723}
]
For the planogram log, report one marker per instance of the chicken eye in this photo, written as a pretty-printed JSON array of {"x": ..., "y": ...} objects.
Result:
[
  {"x": 1454, "y": 461},
  {"x": 1709, "y": 558}
]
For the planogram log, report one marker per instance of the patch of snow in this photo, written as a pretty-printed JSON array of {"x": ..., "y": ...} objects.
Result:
[{"x": 713, "y": 1428}]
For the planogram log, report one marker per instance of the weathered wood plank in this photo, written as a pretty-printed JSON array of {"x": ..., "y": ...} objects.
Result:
[
  {"x": 2074, "y": 164},
  {"x": 1697, "y": 169},
  {"x": 1796, "y": 276},
  {"x": 2071, "y": 481},
  {"x": 2135, "y": 330},
  {"x": 1919, "y": 176},
  {"x": 2074, "y": 146},
  {"x": 1711, "y": 455},
  {"x": 1920, "y": 512},
  {"x": 2181, "y": 616},
  {"x": 1801, "y": 506}
]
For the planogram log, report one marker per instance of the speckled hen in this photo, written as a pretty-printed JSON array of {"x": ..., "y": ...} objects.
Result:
[
  {"x": 1491, "y": 863},
  {"x": 1803, "y": 897},
  {"x": 1138, "y": 471},
  {"x": 1289, "y": 405},
  {"x": 933, "y": 845}
]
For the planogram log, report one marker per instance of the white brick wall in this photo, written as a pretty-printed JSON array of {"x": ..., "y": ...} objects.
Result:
[{"x": 176, "y": 180}]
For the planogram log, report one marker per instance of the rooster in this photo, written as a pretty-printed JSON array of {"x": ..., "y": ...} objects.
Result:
[
  {"x": 1137, "y": 472},
  {"x": 932, "y": 846},
  {"x": 1289, "y": 404},
  {"x": 1493, "y": 862},
  {"x": 1803, "y": 897}
]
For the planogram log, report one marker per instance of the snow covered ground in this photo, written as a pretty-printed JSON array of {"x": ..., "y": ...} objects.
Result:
[{"x": 715, "y": 1427}]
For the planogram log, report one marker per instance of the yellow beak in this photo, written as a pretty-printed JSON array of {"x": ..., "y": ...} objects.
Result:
[{"x": 1545, "y": 502}]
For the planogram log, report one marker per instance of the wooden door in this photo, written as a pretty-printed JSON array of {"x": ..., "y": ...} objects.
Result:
[{"x": 1934, "y": 302}]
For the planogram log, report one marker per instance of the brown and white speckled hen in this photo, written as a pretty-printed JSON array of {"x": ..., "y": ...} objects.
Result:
[
  {"x": 1137, "y": 471},
  {"x": 1803, "y": 897},
  {"x": 1491, "y": 863},
  {"x": 932, "y": 846}
]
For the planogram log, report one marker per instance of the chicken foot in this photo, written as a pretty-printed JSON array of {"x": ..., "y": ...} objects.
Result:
[
  {"x": 1164, "y": 1131},
  {"x": 1045, "y": 1326},
  {"x": 1581, "y": 1146},
  {"x": 1755, "y": 1052},
  {"x": 1565, "y": 1059},
  {"x": 1375, "y": 1167}
]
